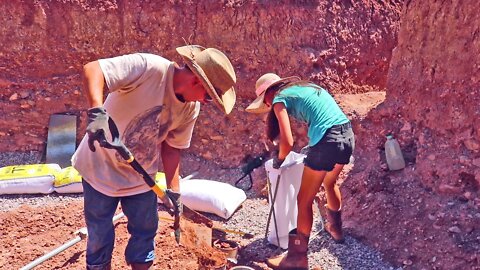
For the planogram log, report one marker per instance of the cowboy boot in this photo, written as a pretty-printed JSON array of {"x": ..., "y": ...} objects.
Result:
[
  {"x": 295, "y": 257},
  {"x": 334, "y": 224},
  {"x": 142, "y": 266}
]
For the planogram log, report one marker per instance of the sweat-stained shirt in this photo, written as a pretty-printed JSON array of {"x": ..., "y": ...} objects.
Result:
[
  {"x": 146, "y": 111},
  {"x": 314, "y": 106}
]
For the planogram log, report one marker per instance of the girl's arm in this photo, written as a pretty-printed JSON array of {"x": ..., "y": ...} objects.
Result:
[{"x": 286, "y": 137}]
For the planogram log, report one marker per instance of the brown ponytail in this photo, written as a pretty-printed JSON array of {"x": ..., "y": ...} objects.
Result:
[{"x": 273, "y": 129}]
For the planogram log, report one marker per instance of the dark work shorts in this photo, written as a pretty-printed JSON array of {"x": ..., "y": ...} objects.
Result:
[{"x": 335, "y": 147}]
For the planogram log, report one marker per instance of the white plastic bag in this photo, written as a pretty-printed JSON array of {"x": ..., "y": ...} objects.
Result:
[
  {"x": 285, "y": 204},
  {"x": 209, "y": 196},
  {"x": 28, "y": 179}
]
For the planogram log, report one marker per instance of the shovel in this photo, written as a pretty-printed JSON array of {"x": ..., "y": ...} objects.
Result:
[{"x": 182, "y": 214}]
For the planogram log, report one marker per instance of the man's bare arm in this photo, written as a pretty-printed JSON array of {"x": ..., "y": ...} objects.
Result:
[
  {"x": 171, "y": 165},
  {"x": 93, "y": 83}
]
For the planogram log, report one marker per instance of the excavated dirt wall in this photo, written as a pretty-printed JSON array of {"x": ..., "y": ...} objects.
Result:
[
  {"x": 343, "y": 45},
  {"x": 426, "y": 216}
]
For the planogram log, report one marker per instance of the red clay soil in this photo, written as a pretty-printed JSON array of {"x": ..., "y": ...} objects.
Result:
[{"x": 28, "y": 233}]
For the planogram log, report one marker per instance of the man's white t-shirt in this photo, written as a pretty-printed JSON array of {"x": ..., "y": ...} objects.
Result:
[{"x": 146, "y": 111}]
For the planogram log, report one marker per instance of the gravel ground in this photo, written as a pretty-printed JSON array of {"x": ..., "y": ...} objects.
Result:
[{"x": 251, "y": 218}]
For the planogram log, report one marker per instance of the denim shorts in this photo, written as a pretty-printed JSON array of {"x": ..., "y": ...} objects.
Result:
[
  {"x": 336, "y": 147},
  {"x": 141, "y": 211}
]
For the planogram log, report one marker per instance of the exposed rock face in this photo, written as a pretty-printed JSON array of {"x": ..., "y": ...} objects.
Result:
[
  {"x": 341, "y": 45},
  {"x": 427, "y": 215}
]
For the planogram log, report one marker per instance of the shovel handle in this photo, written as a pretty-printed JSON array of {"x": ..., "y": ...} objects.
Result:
[{"x": 123, "y": 151}]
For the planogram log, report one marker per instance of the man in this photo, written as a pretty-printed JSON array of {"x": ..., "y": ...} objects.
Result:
[{"x": 154, "y": 103}]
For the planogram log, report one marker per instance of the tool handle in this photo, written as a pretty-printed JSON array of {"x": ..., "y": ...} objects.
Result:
[{"x": 123, "y": 151}]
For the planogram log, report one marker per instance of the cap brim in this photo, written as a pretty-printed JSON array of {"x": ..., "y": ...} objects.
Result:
[
  {"x": 224, "y": 103},
  {"x": 257, "y": 106}
]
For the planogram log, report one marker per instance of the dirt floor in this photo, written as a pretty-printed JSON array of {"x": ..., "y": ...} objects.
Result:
[{"x": 30, "y": 232}]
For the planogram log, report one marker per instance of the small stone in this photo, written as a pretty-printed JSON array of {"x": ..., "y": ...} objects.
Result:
[
  {"x": 471, "y": 145},
  {"x": 454, "y": 229},
  {"x": 406, "y": 127},
  {"x": 13, "y": 97},
  {"x": 476, "y": 162},
  {"x": 449, "y": 189},
  {"x": 24, "y": 94},
  {"x": 216, "y": 138},
  {"x": 207, "y": 155},
  {"x": 464, "y": 160}
]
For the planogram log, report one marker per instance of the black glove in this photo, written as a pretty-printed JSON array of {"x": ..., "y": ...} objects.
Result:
[
  {"x": 100, "y": 124},
  {"x": 277, "y": 162},
  {"x": 171, "y": 201}
]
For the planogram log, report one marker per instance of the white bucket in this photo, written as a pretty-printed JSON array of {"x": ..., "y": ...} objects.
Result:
[{"x": 286, "y": 200}]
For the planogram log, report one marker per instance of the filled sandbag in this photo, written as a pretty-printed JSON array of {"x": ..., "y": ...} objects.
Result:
[
  {"x": 209, "y": 196},
  {"x": 160, "y": 180},
  {"x": 68, "y": 180},
  {"x": 285, "y": 204},
  {"x": 28, "y": 179}
]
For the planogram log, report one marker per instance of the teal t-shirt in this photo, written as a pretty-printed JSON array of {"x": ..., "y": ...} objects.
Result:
[{"x": 314, "y": 106}]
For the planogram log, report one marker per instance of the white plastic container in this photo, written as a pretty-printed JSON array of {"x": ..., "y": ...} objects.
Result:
[
  {"x": 286, "y": 201},
  {"x": 393, "y": 154}
]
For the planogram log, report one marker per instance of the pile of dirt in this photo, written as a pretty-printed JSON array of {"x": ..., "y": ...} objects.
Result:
[{"x": 29, "y": 232}]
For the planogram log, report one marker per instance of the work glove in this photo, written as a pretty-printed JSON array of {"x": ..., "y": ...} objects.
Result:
[
  {"x": 171, "y": 201},
  {"x": 97, "y": 127},
  {"x": 100, "y": 124}
]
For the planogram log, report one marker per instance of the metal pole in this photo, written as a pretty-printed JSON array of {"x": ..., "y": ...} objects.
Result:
[
  {"x": 51, "y": 253},
  {"x": 81, "y": 234}
]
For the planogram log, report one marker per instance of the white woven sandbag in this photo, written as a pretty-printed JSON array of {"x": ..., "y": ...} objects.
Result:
[
  {"x": 210, "y": 196},
  {"x": 68, "y": 181},
  {"x": 285, "y": 204},
  {"x": 28, "y": 179}
]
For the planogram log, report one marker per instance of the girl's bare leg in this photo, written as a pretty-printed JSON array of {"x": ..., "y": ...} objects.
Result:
[
  {"x": 334, "y": 197},
  {"x": 311, "y": 182}
]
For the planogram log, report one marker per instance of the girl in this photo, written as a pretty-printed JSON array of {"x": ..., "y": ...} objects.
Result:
[{"x": 331, "y": 143}]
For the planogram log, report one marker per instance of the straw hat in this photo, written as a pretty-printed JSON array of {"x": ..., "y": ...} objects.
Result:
[
  {"x": 263, "y": 83},
  {"x": 215, "y": 72}
]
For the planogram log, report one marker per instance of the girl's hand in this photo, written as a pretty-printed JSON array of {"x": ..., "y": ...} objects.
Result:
[{"x": 277, "y": 163}]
